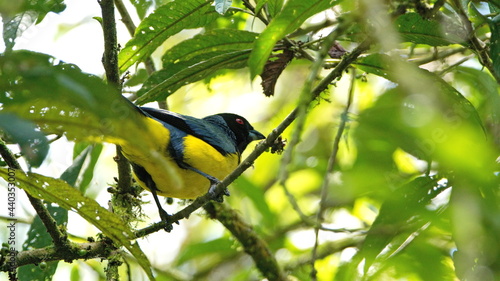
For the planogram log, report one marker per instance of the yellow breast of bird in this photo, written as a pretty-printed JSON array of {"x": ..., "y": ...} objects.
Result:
[{"x": 197, "y": 153}]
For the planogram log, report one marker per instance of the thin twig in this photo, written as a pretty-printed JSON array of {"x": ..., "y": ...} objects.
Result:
[
  {"x": 259, "y": 15},
  {"x": 476, "y": 44},
  {"x": 331, "y": 165},
  {"x": 438, "y": 56},
  {"x": 454, "y": 65},
  {"x": 110, "y": 57},
  {"x": 126, "y": 18}
]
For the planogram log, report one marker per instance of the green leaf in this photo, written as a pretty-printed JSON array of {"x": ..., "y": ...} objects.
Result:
[
  {"x": 16, "y": 26},
  {"x": 138, "y": 78},
  {"x": 78, "y": 171},
  {"x": 257, "y": 196},
  {"x": 475, "y": 15},
  {"x": 424, "y": 259},
  {"x": 33, "y": 143},
  {"x": 260, "y": 5},
  {"x": 164, "y": 82},
  {"x": 273, "y": 6},
  {"x": 142, "y": 6},
  {"x": 413, "y": 28},
  {"x": 60, "y": 98},
  {"x": 375, "y": 64},
  {"x": 294, "y": 13},
  {"x": 390, "y": 68},
  {"x": 166, "y": 21},
  {"x": 495, "y": 43},
  {"x": 483, "y": 88},
  {"x": 196, "y": 59},
  {"x": 88, "y": 173},
  {"x": 221, "y": 246},
  {"x": 403, "y": 213},
  {"x": 43, "y": 7},
  {"x": 70, "y": 175},
  {"x": 69, "y": 198},
  {"x": 494, "y": 6},
  {"x": 205, "y": 46}
]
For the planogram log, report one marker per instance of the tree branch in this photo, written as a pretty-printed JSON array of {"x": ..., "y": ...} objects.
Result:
[
  {"x": 73, "y": 252},
  {"x": 110, "y": 57},
  {"x": 126, "y": 18},
  {"x": 255, "y": 246}
]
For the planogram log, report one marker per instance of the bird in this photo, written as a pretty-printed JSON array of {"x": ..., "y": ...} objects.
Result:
[{"x": 202, "y": 152}]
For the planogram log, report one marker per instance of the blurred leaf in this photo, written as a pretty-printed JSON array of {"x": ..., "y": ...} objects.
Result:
[
  {"x": 375, "y": 64},
  {"x": 413, "y": 28},
  {"x": 138, "y": 78},
  {"x": 403, "y": 212},
  {"x": 78, "y": 171},
  {"x": 75, "y": 273},
  {"x": 33, "y": 143},
  {"x": 273, "y": 6},
  {"x": 221, "y": 6},
  {"x": 165, "y": 82},
  {"x": 484, "y": 89},
  {"x": 15, "y": 27},
  {"x": 41, "y": 8},
  {"x": 221, "y": 246},
  {"x": 88, "y": 173},
  {"x": 495, "y": 43},
  {"x": 423, "y": 259},
  {"x": 475, "y": 16},
  {"x": 61, "y": 98},
  {"x": 142, "y": 6},
  {"x": 447, "y": 97},
  {"x": 166, "y": 21},
  {"x": 430, "y": 124},
  {"x": 257, "y": 196},
  {"x": 294, "y": 13},
  {"x": 69, "y": 198},
  {"x": 494, "y": 6},
  {"x": 70, "y": 175}
]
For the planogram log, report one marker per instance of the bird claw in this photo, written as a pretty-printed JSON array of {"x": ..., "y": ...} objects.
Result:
[
  {"x": 217, "y": 197},
  {"x": 165, "y": 217}
]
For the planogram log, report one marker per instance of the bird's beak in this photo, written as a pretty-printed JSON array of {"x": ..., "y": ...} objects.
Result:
[{"x": 255, "y": 135}]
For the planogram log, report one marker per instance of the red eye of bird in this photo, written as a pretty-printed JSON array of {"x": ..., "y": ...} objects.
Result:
[{"x": 239, "y": 121}]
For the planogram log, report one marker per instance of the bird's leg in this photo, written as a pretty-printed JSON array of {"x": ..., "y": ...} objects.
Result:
[
  {"x": 213, "y": 184},
  {"x": 163, "y": 214}
]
